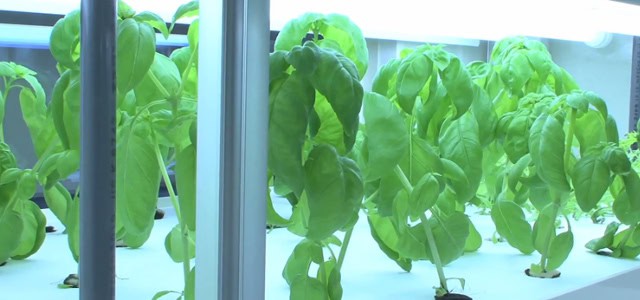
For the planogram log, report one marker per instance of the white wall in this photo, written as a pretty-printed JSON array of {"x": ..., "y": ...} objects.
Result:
[{"x": 605, "y": 71}]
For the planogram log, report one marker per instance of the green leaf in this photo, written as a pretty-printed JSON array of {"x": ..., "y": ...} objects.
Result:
[
  {"x": 559, "y": 250},
  {"x": 450, "y": 235},
  {"x": 33, "y": 233},
  {"x": 424, "y": 195},
  {"x": 590, "y": 130},
  {"x": 334, "y": 189},
  {"x": 134, "y": 54},
  {"x": 305, "y": 287},
  {"x": 606, "y": 241},
  {"x": 590, "y": 180},
  {"x": 460, "y": 143},
  {"x": 58, "y": 101},
  {"x": 124, "y": 10},
  {"x": 137, "y": 181},
  {"x": 623, "y": 210},
  {"x": 474, "y": 240},
  {"x": 352, "y": 43},
  {"x": 155, "y": 21},
  {"x": 298, "y": 263},
  {"x": 186, "y": 182},
  {"x": 516, "y": 171},
  {"x": 324, "y": 125},
  {"x": 288, "y": 120},
  {"x": 485, "y": 114},
  {"x": 546, "y": 145},
  {"x": 73, "y": 228},
  {"x": 294, "y": 31},
  {"x": 10, "y": 175},
  {"x": 386, "y": 134},
  {"x": 64, "y": 42},
  {"x": 34, "y": 112},
  {"x": 613, "y": 135},
  {"x": 193, "y": 34},
  {"x": 383, "y": 232},
  {"x": 516, "y": 142},
  {"x": 459, "y": 86},
  {"x": 11, "y": 228},
  {"x": 175, "y": 248},
  {"x": 617, "y": 160},
  {"x": 58, "y": 199},
  {"x": 166, "y": 73},
  {"x": 516, "y": 71},
  {"x": 333, "y": 285},
  {"x": 413, "y": 73},
  {"x": 27, "y": 185},
  {"x": 336, "y": 78},
  {"x": 189, "y": 9},
  {"x": 382, "y": 80},
  {"x": 512, "y": 225},
  {"x": 544, "y": 229}
]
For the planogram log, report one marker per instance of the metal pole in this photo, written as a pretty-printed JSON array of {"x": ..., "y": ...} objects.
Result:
[
  {"x": 97, "y": 165},
  {"x": 242, "y": 162}
]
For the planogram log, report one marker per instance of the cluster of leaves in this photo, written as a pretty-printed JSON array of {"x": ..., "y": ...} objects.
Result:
[
  {"x": 155, "y": 127},
  {"x": 22, "y": 223},
  {"x": 315, "y": 98}
]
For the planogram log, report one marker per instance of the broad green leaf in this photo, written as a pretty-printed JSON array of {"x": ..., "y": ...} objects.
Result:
[
  {"x": 613, "y": 135},
  {"x": 422, "y": 158},
  {"x": 390, "y": 185},
  {"x": 155, "y": 21},
  {"x": 623, "y": 210},
  {"x": 57, "y": 106},
  {"x": 298, "y": 263},
  {"x": 413, "y": 73},
  {"x": 590, "y": 130},
  {"x": 386, "y": 134},
  {"x": 617, "y": 160},
  {"x": 10, "y": 175},
  {"x": 450, "y": 235},
  {"x": 124, "y": 10},
  {"x": 590, "y": 180},
  {"x": 516, "y": 142},
  {"x": 137, "y": 181},
  {"x": 546, "y": 145},
  {"x": 162, "y": 81},
  {"x": 287, "y": 130},
  {"x": 559, "y": 250},
  {"x": 193, "y": 35},
  {"x": 578, "y": 101},
  {"x": 181, "y": 58},
  {"x": 308, "y": 288},
  {"x": 350, "y": 38},
  {"x": 273, "y": 218},
  {"x": 459, "y": 86},
  {"x": 516, "y": 71},
  {"x": 515, "y": 173},
  {"x": 39, "y": 122},
  {"x": 294, "y": 31},
  {"x": 544, "y": 229},
  {"x": 186, "y": 183},
  {"x": 324, "y": 125},
  {"x": 381, "y": 82},
  {"x": 598, "y": 103},
  {"x": 33, "y": 233},
  {"x": 64, "y": 42},
  {"x": 71, "y": 111},
  {"x": 606, "y": 241},
  {"x": 474, "y": 240},
  {"x": 134, "y": 54},
  {"x": 334, "y": 76},
  {"x": 58, "y": 200},
  {"x": 278, "y": 65},
  {"x": 333, "y": 285},
  {"x": 174, "y": 245},
  {"x": 334, "y": 189},
  {"x": 541, "y": 63},
  {"x": 512, "y": 225},
  {"x": 424, "y": 195},
  {"x": 189, "y": 9},
  {"x": 384, "y": 234},
  {"x": 27, "y": 185},
  {"x": 11, "y": 228},
  {"x": 484, "y": 112},
  {"x": 460, "y": 143}
]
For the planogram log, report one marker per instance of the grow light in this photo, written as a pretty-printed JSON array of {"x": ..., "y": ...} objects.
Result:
[{"x": 425, "y": 20}]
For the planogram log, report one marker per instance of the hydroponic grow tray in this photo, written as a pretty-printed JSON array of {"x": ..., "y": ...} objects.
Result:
[{"x": 495, "y": 271}]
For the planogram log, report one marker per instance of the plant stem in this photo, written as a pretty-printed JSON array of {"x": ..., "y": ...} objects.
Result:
[
  {"x": 343, "y": 248},
  {"x": 425, "y": 223},
  {"x": 434, "y": 251},
  {"x": 184, "y": 232},
  {"x": 187, "y": 69},
  {"x": 547, "y": 242}
]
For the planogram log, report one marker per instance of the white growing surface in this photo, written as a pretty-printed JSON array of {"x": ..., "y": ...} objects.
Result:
[{"x": 494, "y": 272}]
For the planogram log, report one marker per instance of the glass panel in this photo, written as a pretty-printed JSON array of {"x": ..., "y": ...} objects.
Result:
[
  {"x": 155, "y": 147},
  {"x": 411, "y": 148}
]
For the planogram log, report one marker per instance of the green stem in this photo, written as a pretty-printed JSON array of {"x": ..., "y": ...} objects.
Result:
[
  {"x": 425, "y": 223},
  {"x": 159, "y": 85},
  {"x": 343, "y": 248},
  {"x": 184, "y": 232},
  {"x": 434, "y": 251}
]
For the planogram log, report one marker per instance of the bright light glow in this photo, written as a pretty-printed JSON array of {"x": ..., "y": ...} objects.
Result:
[
  {"x": 164, "y": 8},
  {"x": 426, "y": 20}
]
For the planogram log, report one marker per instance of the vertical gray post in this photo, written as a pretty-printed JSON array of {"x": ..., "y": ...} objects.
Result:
[
  {"x": 242, "y": 162},
  {"x": 634, "y": 103},
  {"x": 97, "y": 165}
]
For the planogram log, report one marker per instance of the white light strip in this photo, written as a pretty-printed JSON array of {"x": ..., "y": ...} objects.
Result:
[
  {"x": 422, "y": 21},
  {"x": 38, "y": 36},
  {"x": 164, "y": 8}
]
